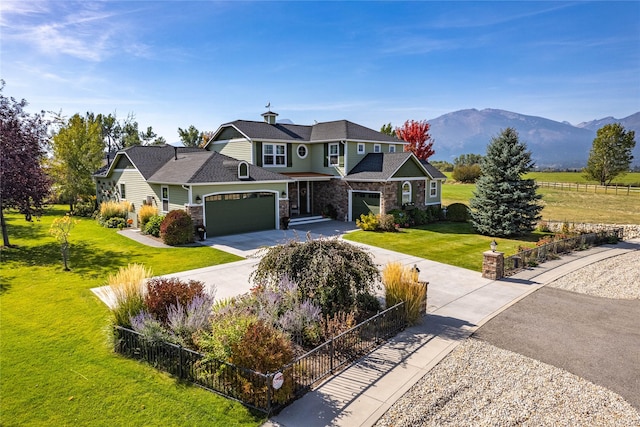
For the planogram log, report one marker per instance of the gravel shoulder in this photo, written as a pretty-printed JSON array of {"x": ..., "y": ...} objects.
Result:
[{"x": 585, "y": 322}]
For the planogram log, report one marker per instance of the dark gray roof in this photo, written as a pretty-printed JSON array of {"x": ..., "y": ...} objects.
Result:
[
  {"x": 328, "y": 131},
  {"x": 378, "y": 166},
  {"x": 382, "y": 166},
  {"x": 433, "y": 171},
  {"x": 192, "y": 166}
]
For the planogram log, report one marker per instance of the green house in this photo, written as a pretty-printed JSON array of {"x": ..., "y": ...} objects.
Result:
[{"x": 251, "y": 174}]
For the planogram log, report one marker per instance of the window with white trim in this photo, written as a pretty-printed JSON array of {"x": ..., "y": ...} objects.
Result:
[
  {"x": 302, "y": 151},
  {"x": 334, "y": 154},
  {"x": 274, "y": 155},
  {"x": 165, "y": 198},
  {"x": 406, "y": 192},
  {"x": 392, "y": 148},
  {"x": 433, "y": 188},
  {"x": 123, "y": 193},
  {"x": 377, "y": 148},
  {"x": 360, "y": 147}
]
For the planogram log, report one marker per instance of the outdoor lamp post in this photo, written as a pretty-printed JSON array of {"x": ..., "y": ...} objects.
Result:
[{"x": 493, "y": 245}]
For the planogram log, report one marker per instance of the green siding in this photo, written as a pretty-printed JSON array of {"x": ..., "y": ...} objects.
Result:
[
  {"x": 433, "y": 200},
  {"x": 318, "y": 161},
  {"x": 240, "y": 150},
  {"x": 409, "y": 170},
  {"x": 136, "y": 187},
  {"x": 205, "y": 190},
  {"x": 229, "y": 133},
  {"x": 123, "y": 163}
]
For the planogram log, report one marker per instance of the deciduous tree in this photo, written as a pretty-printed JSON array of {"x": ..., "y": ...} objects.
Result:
[
  {"x": 416, "y": 133},
  {"x": 78, "y": 151},
  {"x": 388, "y": 129},
  {"x": 24, "y": 185},
  {"x": 610, "y": 154},
  {"x": 504, "y": 203}
]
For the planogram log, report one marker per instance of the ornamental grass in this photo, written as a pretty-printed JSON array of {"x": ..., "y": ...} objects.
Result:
[
  {"x": 128, "y": 286},
  {"x": 401, "y": 284}
]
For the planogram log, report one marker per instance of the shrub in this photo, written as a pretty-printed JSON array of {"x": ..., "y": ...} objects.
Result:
[
  {"x": 467, "y": 173},
  {"x": 85, "y": 208},
  {"x": 149, "y": 327},
  {"x": 458, "y": 212},
  {"x": 184, "y": 321},
  {"x": 368, "y": 222},
  {"x": 163, "y": 292},
  {"x": 116, "y": 222},
  {"x": 421, "y": 217},
  {"x": 336, "y": 324},
  {"x": 177, "y": 228},
  {"x": 402, "y": 218},
  {"x": 330, "y": 272},
  {"x": 401, "y": 284},
  {"x": 127, "y": 287},
  {"x": 145, "y": 213},
  {"x": 227, "y": 327},
  {"x": 111, "y": 209},
  {"x": 543, "y": 227},
  {"x": 387, "y": 223},
  {"x": 152, "y": 227}
]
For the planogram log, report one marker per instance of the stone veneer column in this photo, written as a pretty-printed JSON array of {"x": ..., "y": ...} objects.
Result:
[{"x": 493, "y": 265}]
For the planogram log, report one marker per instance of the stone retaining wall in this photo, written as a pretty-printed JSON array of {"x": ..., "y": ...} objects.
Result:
[{"x": 630, "y": 231}]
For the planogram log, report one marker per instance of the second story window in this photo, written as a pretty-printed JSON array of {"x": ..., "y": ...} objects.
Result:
[
  {"x": 360, "y": 147},
  {"x": 377, "y": 148},
  {"x": 274, "y": 155},
  {"x": 334, "y": 154},
  {"x": 392, "y": 148}
]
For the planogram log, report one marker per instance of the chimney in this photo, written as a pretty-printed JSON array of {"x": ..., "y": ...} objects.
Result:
[{"x": 175, "y": 153}]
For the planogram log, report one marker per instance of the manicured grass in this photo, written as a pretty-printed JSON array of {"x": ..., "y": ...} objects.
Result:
[
  {"x": 564, "y": 205},
  {"x": 451, "y": 243},
  {"x": 56, "y": 359}
]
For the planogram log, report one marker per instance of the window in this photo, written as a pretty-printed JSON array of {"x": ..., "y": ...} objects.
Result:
[
  {"x": 360, "y": 148},
  {"x": 377, "y": 149},
  {"x": 123, "y": 194},
  {"x": 433, "y": 188},
  {"x": 243, "y": 170},
  {"x": 165, "y": 199},
  {"x": 392, "y": 148},
  {"x": 334, "y": 154},
  {"x": 302, "y": 151},
  {"x": 274, "y": 155},
  {"x": 406, "y": 192}
]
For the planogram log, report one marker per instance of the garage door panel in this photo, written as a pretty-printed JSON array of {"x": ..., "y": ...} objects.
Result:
[
  {"x": 239, "y": 213},
  {"x": 363, "y": 203}
]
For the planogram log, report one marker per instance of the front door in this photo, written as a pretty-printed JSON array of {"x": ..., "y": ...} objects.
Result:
[{"x": 303, "y": 195}]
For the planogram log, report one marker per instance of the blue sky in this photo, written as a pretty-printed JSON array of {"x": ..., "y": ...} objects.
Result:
[{"x": 174, "y": 64}]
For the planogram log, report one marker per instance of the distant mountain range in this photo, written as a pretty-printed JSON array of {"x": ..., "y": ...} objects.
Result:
[{"x": 557, "y": 145}]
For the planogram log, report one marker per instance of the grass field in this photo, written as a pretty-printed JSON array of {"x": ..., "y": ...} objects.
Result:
[
  {"x": 56, "y": 359},
  {"x": 632, "y": 178},
  {"x": 564, "y": 205}
]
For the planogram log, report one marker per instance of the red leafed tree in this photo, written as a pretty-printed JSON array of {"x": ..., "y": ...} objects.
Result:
[{"x": 416, "y": 133}]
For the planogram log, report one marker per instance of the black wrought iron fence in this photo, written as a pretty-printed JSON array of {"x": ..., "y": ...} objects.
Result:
[
  {"x": 272, "y": 391},
  {"x": 552, "y": 250}
]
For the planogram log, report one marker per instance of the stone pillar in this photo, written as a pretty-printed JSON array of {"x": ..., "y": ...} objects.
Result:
[{"x": 493, "y": 265}]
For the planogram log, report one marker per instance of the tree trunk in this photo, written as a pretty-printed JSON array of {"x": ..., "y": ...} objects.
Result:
[
  {"x": 65, "y": 256},
  {"x": 5, "y": 232}
]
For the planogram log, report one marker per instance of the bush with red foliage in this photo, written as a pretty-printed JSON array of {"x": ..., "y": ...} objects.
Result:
[
  {"x": 163, "y": 292},
  {"x": 177, "y": 228}
]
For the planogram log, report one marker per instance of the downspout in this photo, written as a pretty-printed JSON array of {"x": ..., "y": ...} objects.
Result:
[{"x": 344, "y": 150}]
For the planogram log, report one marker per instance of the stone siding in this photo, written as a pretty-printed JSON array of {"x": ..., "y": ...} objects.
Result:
[{"x": 630, "y": 231}]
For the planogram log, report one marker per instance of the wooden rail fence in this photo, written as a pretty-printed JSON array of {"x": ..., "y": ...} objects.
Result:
[{"x": 591, "y": 188}]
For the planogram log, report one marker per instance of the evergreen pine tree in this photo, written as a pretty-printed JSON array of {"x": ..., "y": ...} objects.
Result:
[{"x": 504, "y": 204}]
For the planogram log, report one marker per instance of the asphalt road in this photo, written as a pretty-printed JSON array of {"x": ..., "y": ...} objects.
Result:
[{"x": 595, "y": 338}]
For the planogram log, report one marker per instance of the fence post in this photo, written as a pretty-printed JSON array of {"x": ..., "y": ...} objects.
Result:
[
  {"x": 493, "y": 265},
  {"x": 269, "y": 379},
  {"x": 180, "y": 361},
  {"x": 331, "y": 354}
]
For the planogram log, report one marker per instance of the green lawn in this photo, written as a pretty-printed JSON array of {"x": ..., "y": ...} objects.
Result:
[
  {"x": 56, "y": 362},
  {"x": 631, "y": 178},
  {"x": 451, "y": 243}
]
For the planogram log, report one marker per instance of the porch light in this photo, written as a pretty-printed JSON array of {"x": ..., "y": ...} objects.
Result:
[
  {"x": 198, "y": 199},
  {"x": 493, "y": 245}
]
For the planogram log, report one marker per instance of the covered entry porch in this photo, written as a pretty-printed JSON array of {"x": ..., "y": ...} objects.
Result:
[{"x": 302, "y": 193}]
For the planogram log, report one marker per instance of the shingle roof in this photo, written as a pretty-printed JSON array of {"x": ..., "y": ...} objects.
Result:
[
  {"x": 328, "y": 131},
  {"x": 433, "y": 171},
  {"x": 382, "y": 166},
  {"x": 192, "y": 166}
]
